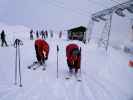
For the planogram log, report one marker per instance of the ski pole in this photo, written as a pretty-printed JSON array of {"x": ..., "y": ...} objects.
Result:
[
  {"x": 19, "y": 65},
  {"x": 17, "y": 44},
  {"x": 80, "y": 60},
  {"x": 57, "y": 60},
  {"x": 16, "y": 67}
]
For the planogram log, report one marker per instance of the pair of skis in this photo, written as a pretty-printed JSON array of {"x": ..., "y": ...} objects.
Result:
[
  {"x": 76, "y": 75},
  {"x": 36, "y": 65}
]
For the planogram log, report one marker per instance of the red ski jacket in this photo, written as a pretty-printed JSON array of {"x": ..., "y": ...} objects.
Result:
[
  {"x": 42, "y": 46},
  {"x": 72, "y": 58},
  {"x": 130, "y": 63}
]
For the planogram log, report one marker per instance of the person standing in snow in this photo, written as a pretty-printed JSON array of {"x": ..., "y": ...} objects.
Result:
[
  {"x": 3, "y": 38},
  {"x": 43, "y": 34},
  {"x": 37, "y": 34},
  {"x": 31, "y": 34},
  {"x": 51, "y": 33},
  {"x": 42, "y": 50},
  {"x": 46, "y": 34},
  {"x": 73, "y": 54},
  {"x": 60, "y": 34}
]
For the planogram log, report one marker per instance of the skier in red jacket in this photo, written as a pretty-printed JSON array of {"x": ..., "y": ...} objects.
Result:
[
  {"x": 73, "y": 54},
  {"x": 42, "y": 50}
]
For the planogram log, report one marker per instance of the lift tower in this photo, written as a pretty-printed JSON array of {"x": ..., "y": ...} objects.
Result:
[{"x": 106, "y": 16}]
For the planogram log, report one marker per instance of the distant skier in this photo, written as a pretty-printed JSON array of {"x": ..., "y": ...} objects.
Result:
[
  {"x": 46, "y": 34},
  {"x": 73, "y": 54},
  {"x": 60, "y": 34},
  {"x": 43, "y": 34},
  {"x": 3, "y": 39},
  {"x": 42, "y": 50},
  {"x": 51, "y": 33},
  {"x": 31, "y": 34},
  {"x": 37, "y": 34}
]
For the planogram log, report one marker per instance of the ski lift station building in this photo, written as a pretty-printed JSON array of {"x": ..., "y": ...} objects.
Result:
[{"x": 77, "y": 33}]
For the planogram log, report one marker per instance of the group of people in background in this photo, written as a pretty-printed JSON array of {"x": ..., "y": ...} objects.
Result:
[
  {"x": 33, "y": 34},
  {"x": 43, "y": 34}
]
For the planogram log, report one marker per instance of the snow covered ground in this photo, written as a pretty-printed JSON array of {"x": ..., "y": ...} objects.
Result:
[{"x": 105, "y": 75}]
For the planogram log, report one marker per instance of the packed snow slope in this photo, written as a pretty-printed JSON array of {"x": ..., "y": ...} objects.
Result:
[{"x": 105, "y": 75}]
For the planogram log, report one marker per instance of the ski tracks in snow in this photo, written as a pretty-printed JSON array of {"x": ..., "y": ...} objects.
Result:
[{"x": 104, "y": 89}]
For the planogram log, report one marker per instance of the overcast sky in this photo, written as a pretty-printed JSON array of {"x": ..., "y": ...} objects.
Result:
[{"x": 56, "y": 14}]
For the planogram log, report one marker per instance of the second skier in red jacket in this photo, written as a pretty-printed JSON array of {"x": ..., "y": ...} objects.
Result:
[{"x": 73, "y": 54}]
